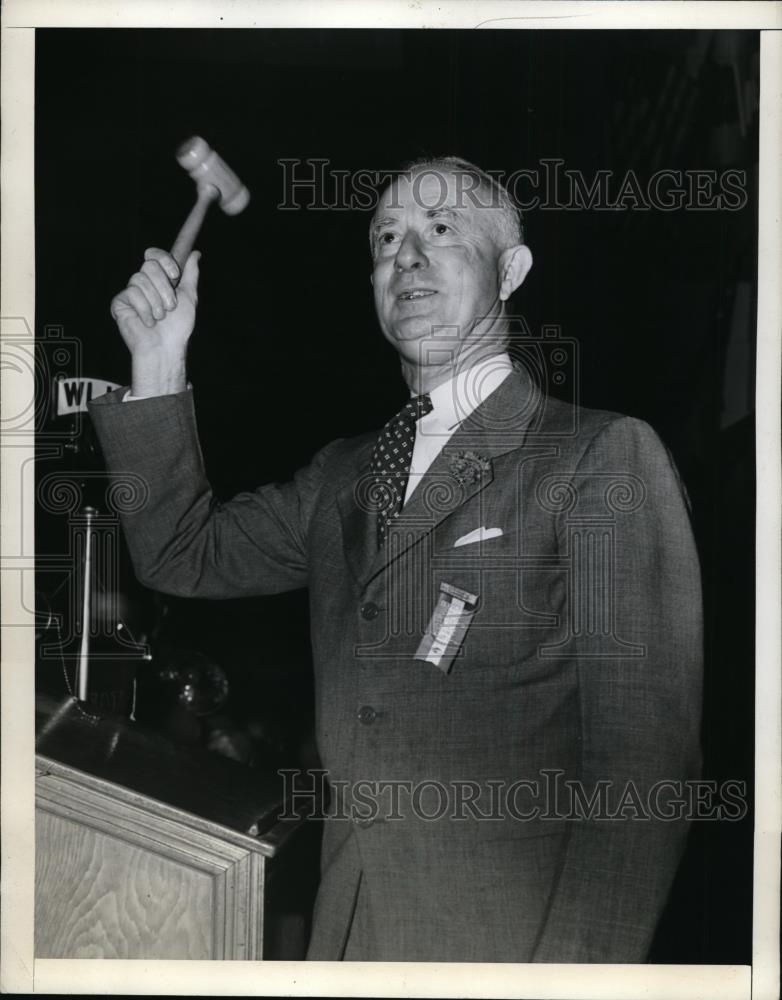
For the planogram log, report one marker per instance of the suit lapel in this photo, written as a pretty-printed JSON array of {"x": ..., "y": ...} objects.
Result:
[
  {"x": 359, "y": 530},
  {"x": 462, "y": 469},
  {"x": 439, "y": 493}
]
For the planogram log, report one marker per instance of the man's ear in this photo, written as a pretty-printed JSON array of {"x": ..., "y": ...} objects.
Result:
[
  {"x": 372, "y": 279},
  {"x": 514, "y": 265}
]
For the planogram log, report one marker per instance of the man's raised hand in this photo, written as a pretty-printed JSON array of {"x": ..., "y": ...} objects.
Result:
[{"x": 156, "y": 317}]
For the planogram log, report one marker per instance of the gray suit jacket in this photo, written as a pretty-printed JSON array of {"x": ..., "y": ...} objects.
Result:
[{"x": 580, "y": 670}]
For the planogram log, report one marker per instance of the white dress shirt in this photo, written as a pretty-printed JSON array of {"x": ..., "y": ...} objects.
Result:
[{"x": 453, "y": 402}]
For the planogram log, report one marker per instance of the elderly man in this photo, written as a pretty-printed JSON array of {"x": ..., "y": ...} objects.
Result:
[{"x": 504, "y": 599}]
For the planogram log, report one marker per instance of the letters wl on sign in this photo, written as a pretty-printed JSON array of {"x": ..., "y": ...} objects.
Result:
[{"x": 73, "y": 394}]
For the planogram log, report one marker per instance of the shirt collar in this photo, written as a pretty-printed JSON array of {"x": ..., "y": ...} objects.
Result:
[{"x": 453, "y": 401}]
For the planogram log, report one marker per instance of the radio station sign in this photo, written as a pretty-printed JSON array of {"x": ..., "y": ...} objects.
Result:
[{"x": 73, "y": 394}]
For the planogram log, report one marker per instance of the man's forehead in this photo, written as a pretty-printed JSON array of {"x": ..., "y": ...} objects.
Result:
[
  {"x": 426, "y": 189},
  {"x": 455, "y": 196}
]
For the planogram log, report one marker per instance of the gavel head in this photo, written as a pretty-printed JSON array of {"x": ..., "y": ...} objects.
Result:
[{"x": 206, "y": 167}]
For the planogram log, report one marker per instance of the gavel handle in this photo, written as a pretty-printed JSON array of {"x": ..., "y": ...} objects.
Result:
[{"x": 183, "y": 244}]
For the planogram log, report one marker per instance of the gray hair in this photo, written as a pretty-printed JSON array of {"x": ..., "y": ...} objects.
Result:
[{"x": 511, "y": 222}]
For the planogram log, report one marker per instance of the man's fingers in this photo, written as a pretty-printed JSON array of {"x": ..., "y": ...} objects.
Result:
[
  {"x": 189, "y": 282},
  {"x": 154, "y": 270},
  {"x": 119, "y": 307},
  {"x": 151, "y": 298},
  {"x": 165, "y": 260},
  {"x": 145, "y": 285},
  {"x": 134, "y": 299}
]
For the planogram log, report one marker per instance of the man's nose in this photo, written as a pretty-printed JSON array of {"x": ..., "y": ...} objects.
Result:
[{"x": 410, "y": 256}]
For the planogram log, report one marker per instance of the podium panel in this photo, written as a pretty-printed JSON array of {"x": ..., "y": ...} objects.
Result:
[{"x": 121, "y": 873}]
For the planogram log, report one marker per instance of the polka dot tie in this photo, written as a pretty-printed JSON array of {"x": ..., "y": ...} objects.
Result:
[{"x": 391, "y": 460}]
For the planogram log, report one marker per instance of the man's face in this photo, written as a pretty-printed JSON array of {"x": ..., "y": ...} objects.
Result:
[{"x": 435, "y": 261}]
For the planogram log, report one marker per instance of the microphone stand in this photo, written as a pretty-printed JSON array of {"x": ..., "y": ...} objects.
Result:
[{"x": 82, "y": 680}]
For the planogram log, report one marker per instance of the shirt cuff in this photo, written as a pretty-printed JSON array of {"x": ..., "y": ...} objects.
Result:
[{"x": 130, "y": 398}]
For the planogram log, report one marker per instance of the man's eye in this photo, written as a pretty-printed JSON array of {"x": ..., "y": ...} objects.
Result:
[
  {"x": 441, "y": 229},
  {"x": 386, "y": 238}
]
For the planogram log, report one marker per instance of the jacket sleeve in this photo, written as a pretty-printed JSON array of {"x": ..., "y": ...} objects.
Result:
[
  {"x": 181, "y": 539},
  {"x": 640, "y": 701}
]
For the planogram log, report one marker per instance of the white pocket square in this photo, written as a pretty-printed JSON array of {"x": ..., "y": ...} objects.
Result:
[{"x": 479, "y": 535}]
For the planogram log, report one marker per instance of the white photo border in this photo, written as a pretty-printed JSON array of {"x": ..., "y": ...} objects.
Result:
[{"x": 20, "y": 971}]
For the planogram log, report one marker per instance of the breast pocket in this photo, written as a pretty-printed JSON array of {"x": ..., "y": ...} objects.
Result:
[{"x": 520, "y": 607}]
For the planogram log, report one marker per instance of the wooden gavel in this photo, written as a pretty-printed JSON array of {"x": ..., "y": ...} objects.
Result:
[{"x": 214, "y": 181}]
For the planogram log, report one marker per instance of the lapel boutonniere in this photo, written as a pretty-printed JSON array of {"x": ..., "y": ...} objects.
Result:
[{"x": 469, "y": 467}]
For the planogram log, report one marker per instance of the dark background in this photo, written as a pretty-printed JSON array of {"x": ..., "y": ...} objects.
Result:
[{"x": 287, "y": 354}]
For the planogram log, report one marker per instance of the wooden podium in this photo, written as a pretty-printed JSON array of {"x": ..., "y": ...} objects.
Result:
[{"x": 149, "y": 850}]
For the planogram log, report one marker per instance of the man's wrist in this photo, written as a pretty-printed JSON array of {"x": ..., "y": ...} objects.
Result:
[{"x": 156, "y": 375}]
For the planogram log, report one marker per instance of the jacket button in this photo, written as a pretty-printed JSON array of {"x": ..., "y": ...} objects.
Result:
[
  {"x": 369, "y": 610},
  {"x": 367, "y": 715}
]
